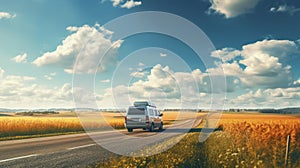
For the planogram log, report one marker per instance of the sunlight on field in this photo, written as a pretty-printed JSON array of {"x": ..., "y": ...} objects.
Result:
[
  {"x": 254, "y": 140},
  {"x": 242, "y": 140},
  {"x": 18, "y": 125},
  {"x": 21, "y": 126},
  {"x": 176, "y": 115},
  {"x": 15, "y": 125}
]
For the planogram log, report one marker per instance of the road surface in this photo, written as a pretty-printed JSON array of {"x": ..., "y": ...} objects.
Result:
[{"x": 76, "y": 150}]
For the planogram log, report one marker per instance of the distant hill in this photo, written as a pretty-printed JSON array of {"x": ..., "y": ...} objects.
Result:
[
  {"x": 290, "y": 110},
  {"x": 293, "y": 110}
]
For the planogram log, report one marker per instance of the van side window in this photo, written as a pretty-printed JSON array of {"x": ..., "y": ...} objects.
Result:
[
  {"x": 155, "y": 112},
  {"x": 151, "y": 112}
]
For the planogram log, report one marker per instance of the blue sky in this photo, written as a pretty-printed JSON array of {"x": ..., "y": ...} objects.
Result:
[{"x": 256, "y": 46}]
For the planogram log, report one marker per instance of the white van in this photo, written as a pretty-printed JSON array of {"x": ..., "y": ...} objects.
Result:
[{"x": 143, "y": 115}]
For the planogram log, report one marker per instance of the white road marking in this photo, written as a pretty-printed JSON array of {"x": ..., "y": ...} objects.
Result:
[
  {"x": 83, "y": 146},
  {"x": 16, "y": 158}
]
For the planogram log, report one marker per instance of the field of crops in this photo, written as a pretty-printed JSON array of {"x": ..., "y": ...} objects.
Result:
[
  {"x": 255, "y": 140},
  {"x": 16, "y": 126},
  {"x": 242, "y": 140},
  {"x": 28, "y": 124}
]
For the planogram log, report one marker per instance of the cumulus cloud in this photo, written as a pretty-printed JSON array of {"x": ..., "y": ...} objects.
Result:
[
  {"x": 6, "y": 15},
  {"x": 288, "y": 93},
  {"x": 272, "y": 98},
  {"x": 137, "y": 74},
  {"x": 262, "y": 63},
  {"x": 116, "y": 2},
  {"x": 297, "y": 82},
  {"x": 285, "y": 8},
  {"x": 91, "y": 43},
  {"x": 22, "y": 58},
  {"x": 232, "y": 8},
  {"x": 23, "y": 92},
  {"x": 130, "y": 4},
  {"x": 226, "y": 54},
  {"x": 125, "y": 4},
  {"x": 162, "y": 85}
]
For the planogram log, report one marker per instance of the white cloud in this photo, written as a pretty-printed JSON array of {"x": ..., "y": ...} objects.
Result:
[
  {"x": 285, "y": 8},
  {"x": 1, "y": 73},
  {"x": 261, "y": 67},
  {"x": 105, "y": 81},
  {"x": 263, "y": 61},
  {"x": 162, "y": 85},
  {"x": 288, "y": 93},
  {"x": 130, "y": 4},
  {"x": 137, "y": 74},
  {"x": 96, "y": 42},
  {"x": 141, "y": 64},
  {"x": 53, "y": 74},
  {"x": 163, "y": 54},
  {"x": 50, "y": 76},
  {"x": 226, "y": 54},
  {"x": 22, "y": 92},
  {"x": 22, "y": 58},
  {"x": 125, "y": 3},
  {"x": 116, "y": 2},
  {"x": 202, "y": 94},
  {"x": 271, "y": 98},
  {"x": 297, "y": 82},
  {"x": 232, "y": 8},
  {"x": 5, "y": 15}
]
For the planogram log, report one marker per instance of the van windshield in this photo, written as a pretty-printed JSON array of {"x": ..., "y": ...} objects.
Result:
[{"x": 136, "y": 111}]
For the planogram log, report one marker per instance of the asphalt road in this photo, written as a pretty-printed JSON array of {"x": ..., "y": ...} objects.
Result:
[{"x": 76, "y": 150}]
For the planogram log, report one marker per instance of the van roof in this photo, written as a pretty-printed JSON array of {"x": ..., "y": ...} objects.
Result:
[{"x": 143, "y": 103}]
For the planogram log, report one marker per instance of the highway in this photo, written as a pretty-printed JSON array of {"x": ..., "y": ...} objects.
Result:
[{"x": 75, "y": 150}]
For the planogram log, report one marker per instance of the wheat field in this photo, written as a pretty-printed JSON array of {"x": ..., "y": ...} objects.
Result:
[
  {"x": 241, "y": 140},
  {"x": 257, "y": 140},
  {"x": 17, "y": 126}
]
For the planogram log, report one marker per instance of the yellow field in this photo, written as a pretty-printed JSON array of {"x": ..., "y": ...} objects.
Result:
[
  {"x": 22, "y": 126},
  {"x": 17, "y": 126},
  {"x": 258, "y": 140},
  {"x": 242, "y": 140}
]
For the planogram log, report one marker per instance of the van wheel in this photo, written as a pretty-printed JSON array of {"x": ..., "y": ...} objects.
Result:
[
  {"x": 129, "y": 129},
  {"x": 151, "y": 129},
  {"x": 160, "y": 127}
]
